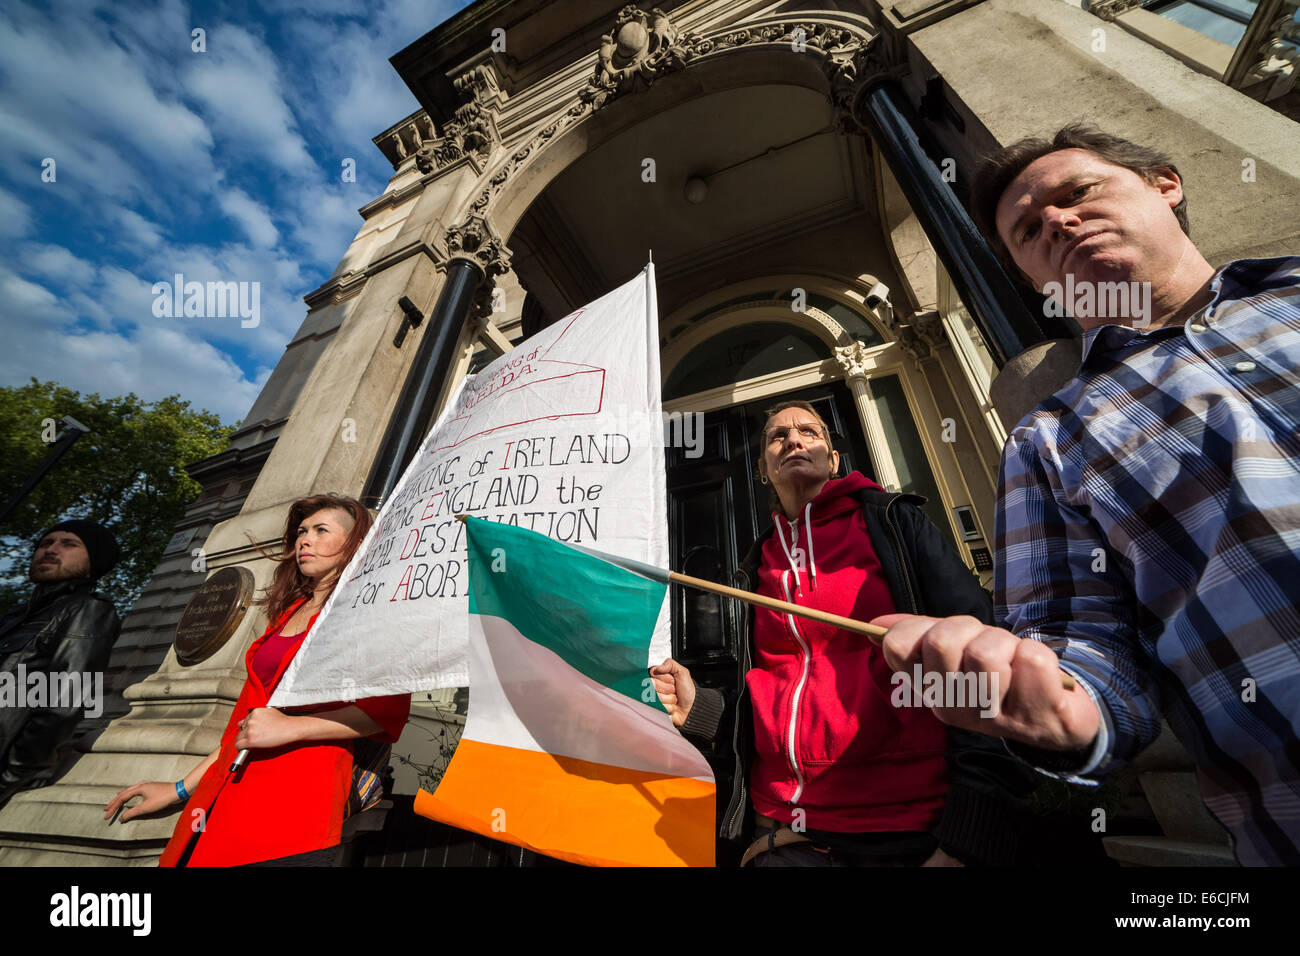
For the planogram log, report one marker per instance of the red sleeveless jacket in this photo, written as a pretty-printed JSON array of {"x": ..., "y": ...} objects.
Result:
[{"x": 283, "y": 801}]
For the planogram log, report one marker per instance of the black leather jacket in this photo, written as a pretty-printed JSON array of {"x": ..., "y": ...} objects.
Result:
[
  {"x": 64, "y": 627},
  {"x": 987, "y": 787}
]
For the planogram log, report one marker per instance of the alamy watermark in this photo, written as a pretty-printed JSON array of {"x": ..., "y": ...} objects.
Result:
[
  {"x": 77, "y": 909},
  {"x": 643, "y": 429},
  {"x": 1127, "y": 302},
  {"x": 947, "y": 690},
  {"x": 208, "y": 300},
  {"x": 53, "y": 690}
]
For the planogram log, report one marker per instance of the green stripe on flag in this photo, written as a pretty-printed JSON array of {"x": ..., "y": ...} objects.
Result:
[{"x": 596, "y": 616}]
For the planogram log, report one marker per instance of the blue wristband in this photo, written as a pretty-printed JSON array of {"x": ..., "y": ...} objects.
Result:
[{"x": 181, "y": 791}]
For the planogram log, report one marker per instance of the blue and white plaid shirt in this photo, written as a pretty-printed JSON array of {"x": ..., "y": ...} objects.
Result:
[{"x": 1148, "y": 530}]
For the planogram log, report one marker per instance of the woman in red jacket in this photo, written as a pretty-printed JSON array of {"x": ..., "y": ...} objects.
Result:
[{"x": 285, "y": 805}]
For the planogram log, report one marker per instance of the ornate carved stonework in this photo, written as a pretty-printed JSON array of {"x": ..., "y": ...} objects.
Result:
[
  {"x": 1110, "y": 9},
  {"x": 645, "y": 46},
  {"x": 426, "y": 158},
  {"x": 412, "y": 135},
  {"x": 921, "y": 336},
  {"x": 481, "y": 85},
  {"x": 852, "y": 359},
  {"x": 471, "y": 131},
  {"x": 930, "y": 327},
  {"x": 476, "y": 240},
  {"x": 480, "y": 310},
  {"x": 641, "y": 48},
  {"x": 913, "y": 344},
  {"x": 520, "y": 156},
  {"x": 1277, "y": 57}
]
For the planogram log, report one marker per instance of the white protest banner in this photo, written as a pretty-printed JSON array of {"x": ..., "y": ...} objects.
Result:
[{"x": 563, "y": 435}]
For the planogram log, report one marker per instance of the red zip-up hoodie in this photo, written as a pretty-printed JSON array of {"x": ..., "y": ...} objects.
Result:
[{"x": 827, "y": 739}]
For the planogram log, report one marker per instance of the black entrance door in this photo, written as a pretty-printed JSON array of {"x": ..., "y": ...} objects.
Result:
[{"x": 716, "y": 510}]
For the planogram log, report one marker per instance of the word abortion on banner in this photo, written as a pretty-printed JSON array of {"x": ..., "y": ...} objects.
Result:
[{"x": 563, "y": 435}]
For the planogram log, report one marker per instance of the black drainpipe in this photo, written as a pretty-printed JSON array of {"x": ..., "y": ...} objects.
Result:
[
  {"x": 416, "y": 406},
  {"x": 989, "y": 293}
]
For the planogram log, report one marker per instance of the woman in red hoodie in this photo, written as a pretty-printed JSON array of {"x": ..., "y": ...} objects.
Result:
[
  {"x": 285, "y": 806},
  {"x": 837, "y": 764}
]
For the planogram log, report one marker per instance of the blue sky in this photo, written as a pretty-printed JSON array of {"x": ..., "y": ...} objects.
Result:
[{"x": 224, "y": 165}]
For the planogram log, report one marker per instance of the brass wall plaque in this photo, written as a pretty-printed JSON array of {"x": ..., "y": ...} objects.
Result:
[{"x": 213, "y": 614}]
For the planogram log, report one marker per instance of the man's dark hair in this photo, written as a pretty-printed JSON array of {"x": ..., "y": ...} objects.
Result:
[{"x": 997, "y": 171}]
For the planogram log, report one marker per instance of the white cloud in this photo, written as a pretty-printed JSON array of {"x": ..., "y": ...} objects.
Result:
[
  {"x": 15, "y": 220},
  {"x": 352, "y": 79},
  {"x": 75, "y": 87},
  {"x": 237, "y": 81},
  {"x": 86, "y": 170},
  {"x": 55, "y": 262},
  {"x": 162, "y": 362},
  {"x": 126, "y": 296},
  {"x": 251, "y": 216},
  {"x": 152, "y": 363},
  {"x": 172, "y": 161},
  {"x": 28, "y": 300},
  {"x": 87, "y": 305},
  {"x": 373, "y": 99},
  {"x": 281, "y": 287},
  {"x": 326, "y": 221},
  {"x": 405, "y": 21},
  {"x": 137, "y": 230},
  {"x": 318, "y": 8}
]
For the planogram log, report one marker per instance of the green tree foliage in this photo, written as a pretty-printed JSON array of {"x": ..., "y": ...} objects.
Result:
[{"x": 128, "y": 474}]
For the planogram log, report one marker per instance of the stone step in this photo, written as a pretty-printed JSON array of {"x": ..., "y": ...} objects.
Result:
[{"x": 1161, "y": 851}]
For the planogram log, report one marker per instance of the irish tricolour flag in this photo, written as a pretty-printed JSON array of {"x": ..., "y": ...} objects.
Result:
[{"x": 566, "y": 749}]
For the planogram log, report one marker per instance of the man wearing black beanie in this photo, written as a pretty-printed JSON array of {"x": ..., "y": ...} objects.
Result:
[{"x": 53, "y": 651}]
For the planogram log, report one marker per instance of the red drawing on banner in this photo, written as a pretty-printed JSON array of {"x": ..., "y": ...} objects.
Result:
[{"x": 529, "y": 388}]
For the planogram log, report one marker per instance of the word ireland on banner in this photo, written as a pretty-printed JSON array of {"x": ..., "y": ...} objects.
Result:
[
  {"x": 567, "y": 749},
  {"x": 561, "y": 436}
]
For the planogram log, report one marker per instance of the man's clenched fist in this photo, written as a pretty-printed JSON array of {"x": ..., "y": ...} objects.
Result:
[
  {"x": 1029, "y": 705},
  {"x": 675, "y": 688}
]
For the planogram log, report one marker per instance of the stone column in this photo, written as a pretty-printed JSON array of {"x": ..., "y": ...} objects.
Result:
[{"x": 853, "y": 360}]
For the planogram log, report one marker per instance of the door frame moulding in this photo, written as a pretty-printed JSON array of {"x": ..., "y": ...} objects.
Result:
[{"x": 849, "y": 291}]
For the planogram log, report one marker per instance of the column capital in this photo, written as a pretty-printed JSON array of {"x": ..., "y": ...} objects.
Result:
[
  {"x": 921, "y": 335},
  {"x": 853, "y": 67},
  {"x": 853, "y": 361},
  {"x": 476, "y": 240}
]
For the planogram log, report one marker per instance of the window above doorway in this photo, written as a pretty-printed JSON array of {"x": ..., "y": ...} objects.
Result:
[{"x": 743, "y": 352}]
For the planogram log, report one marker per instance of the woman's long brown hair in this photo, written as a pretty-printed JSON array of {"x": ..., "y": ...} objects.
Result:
[{"x": 289, "y": 583}]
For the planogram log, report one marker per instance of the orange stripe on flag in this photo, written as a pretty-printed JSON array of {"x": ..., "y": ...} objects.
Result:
[{"x": 573, "y": 809}]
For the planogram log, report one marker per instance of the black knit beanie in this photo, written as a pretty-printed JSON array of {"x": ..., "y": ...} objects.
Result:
[{"x": 99, "y": 541}]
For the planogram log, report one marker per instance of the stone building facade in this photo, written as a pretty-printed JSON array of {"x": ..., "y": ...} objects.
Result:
[{"x": 792, "y": 167}]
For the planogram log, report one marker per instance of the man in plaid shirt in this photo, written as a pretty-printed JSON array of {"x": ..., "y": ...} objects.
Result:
[{"x": 1148, "y": 527}]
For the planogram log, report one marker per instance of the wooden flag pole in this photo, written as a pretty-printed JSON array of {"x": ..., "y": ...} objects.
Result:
[
  {"x": 784, "y": 607},
  {"x": 749, "y": 597}
]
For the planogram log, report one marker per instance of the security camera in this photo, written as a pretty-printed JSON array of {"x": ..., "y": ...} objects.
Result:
[
  {"x": 414, "y": 315},
  {"x": 877, "y": 294}
]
